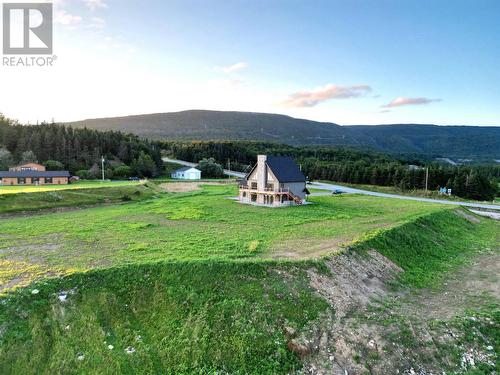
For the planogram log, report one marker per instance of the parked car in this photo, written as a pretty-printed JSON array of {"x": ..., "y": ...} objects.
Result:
[
  {"x": 134, "y": 179},
  {"x": 337, "y": 192}
]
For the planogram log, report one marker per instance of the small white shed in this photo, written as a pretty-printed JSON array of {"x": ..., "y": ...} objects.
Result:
[{"x": 187, "y": 173}]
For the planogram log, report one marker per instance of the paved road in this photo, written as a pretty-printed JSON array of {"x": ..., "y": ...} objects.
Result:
[
  {"x": 493, "y": 215},
  {"x": 331, "y": 187},
  {"x": 327, "y": 186},
  {"x": 188, "y": 164}
]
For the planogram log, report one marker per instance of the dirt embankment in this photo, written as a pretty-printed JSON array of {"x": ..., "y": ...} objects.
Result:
[
  {"x": 354, "y": 281},
  {"x": 372, "y": 329}
]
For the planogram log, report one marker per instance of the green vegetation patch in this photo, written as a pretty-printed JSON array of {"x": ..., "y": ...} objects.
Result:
[
  {"x": 429, "y": 246},
  {"x": 193, "y": 317}
]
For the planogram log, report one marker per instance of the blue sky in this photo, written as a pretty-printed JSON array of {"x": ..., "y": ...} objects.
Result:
[{"x": 349, "y": 62}]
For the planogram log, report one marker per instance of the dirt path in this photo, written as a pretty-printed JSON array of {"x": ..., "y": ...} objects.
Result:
[
  {"x": 182, "y": 187},
  {"x": 469, "y": 287}
]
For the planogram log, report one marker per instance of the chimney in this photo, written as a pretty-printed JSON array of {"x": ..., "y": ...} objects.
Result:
[{"x": 261, "y": 172}]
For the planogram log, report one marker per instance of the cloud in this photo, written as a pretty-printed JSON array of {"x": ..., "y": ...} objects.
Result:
[
  {"x": 64, "y": 18},
  {"x": 97, "y": 23},
  {"x": 95, "y": 4},
  {"x": 235, "y": 67},
  {"x": 401, "y": 101},
  {"x": 313, "y": 97}
]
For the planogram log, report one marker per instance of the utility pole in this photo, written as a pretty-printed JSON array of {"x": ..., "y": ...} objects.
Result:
[
  {"x": 102, "y": 167},
  {"x": 426, "y": 179},
  {"x": 229, "y": 168}
]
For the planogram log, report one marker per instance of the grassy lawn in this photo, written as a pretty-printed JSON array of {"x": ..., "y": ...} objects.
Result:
[
  {"x": 78, "y": 185},
  {"x": 186, "y": 283},
  {"x": 194, "y": 225}
]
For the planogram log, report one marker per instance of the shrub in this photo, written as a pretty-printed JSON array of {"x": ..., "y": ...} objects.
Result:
[
  {"x": 123, "y": 171},
  {"x": 209, "y": 168},
  {"x": 84, "y": 174}
]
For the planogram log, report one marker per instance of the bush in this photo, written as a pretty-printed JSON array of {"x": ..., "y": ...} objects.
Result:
[
  {"x": 123, "y": 171},
  {"x": 85, "y": 174},
  {"x": 209, "y": 168}
]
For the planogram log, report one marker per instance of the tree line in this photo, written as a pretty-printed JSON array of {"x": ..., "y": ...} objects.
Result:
[
  {"x": 350, "y": 166},
  {"x": 78, "y": 150}
]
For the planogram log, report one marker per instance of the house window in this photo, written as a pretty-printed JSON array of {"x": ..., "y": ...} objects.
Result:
[
  {"x": 269, "y": 187},
  {"x": 253, "y": 197},
  {"x": 244, "y": 193},
  {"x": 254, "y": 186},
  {"x": 48, "y": 180},
  {"x": 35, "y": 180},
  {"x": 21, "y": 181}
]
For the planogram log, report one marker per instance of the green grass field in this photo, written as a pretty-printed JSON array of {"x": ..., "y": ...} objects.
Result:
[
  {"x": 183, "y": 283},
  {"x": 196, "y": 225},
  {"x": 77, "y": 185}
]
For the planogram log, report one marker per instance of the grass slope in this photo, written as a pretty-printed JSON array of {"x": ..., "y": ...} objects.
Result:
[
  {"x": 430, "y": 246},
  {"x": 179, "y": 318},
  {"x": 184, "y": 287},
  {"x": 78, "y": 185},
  {"x": 82, "y": 195}
]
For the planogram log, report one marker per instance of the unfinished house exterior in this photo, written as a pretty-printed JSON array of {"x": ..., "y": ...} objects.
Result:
[{"x": 274, "y": 181}]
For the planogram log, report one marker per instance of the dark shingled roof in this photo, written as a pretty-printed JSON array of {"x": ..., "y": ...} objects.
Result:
[
  {"x": 285, "y": 169},
  {"x": 183, "y": 169},
  {"x": 28, "y": 174}
]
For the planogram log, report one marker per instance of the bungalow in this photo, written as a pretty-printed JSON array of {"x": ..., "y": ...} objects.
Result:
[
  {"x": 274, "y": 181},
  {"x": 33, "y": 174},
  {"x": 187, "y": 173}
]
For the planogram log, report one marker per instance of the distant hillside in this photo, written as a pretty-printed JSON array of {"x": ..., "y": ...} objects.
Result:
[{"x": 447, "y": 141}]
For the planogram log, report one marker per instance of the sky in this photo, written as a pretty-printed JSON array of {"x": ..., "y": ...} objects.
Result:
[{"x": 348, "y": 62}]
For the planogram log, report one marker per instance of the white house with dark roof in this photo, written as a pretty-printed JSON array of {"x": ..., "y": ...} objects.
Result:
[
  {"x": 186, "y": 173},
  {"x": 274, "y": 181}
]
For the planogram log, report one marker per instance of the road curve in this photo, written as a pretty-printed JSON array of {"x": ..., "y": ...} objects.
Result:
[
  {"x": 189, "y": 164},
  {"x": 327, "y": 186},
  {"x": 331, "y": 187}
]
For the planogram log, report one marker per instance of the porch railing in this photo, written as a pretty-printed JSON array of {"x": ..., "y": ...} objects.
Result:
[{"x": 265, "y": 190}]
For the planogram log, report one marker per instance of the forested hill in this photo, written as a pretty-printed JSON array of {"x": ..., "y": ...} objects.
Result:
[
  {"x": 469, "y": 142},
  {"x": 78, "y": 150}
]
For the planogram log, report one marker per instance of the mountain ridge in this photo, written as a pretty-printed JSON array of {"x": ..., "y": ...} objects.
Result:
[{"x": 426, "y": 139}]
